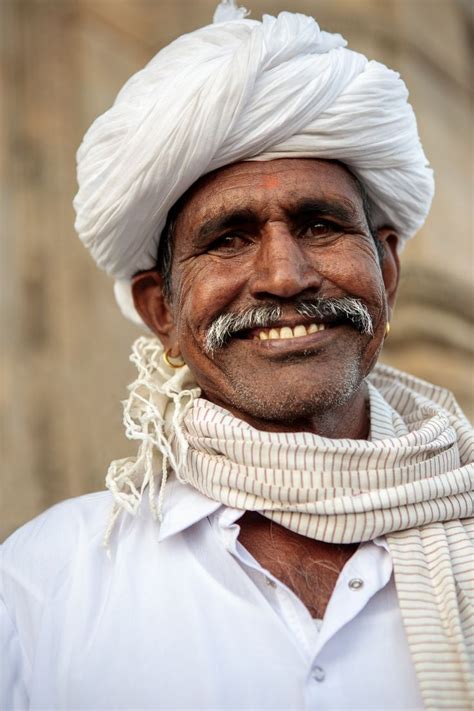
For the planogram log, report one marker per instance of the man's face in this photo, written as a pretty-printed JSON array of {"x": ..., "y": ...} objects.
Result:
[{"x": 273, "y": 233}]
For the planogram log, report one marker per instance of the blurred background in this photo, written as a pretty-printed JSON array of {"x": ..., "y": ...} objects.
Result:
[{"x": 65, "y": 345}]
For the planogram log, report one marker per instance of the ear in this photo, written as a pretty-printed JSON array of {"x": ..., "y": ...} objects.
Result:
[
  {"x": 153, "y": 307},
  {"x": 390, "y": 265}
]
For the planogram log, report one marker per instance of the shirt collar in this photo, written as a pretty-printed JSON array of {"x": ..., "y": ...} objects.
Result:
[{"x": 182, "y": 507}]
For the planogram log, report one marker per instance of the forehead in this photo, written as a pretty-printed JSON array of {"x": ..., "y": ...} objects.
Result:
[{"x": 262, "y": 185}]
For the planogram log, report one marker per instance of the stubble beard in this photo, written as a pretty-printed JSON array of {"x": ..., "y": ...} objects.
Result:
[{"x": 298, "y": 403}]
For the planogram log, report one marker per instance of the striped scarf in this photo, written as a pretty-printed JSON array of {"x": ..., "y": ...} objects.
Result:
[{"x": 412, "y": 482}]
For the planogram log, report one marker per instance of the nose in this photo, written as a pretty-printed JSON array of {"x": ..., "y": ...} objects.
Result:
[{"x": 282, "y": 267}]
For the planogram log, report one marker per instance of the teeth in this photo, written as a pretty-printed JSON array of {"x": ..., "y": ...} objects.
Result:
[
  {"x": 287, "y": 332},
  {"x": 299, "y": 331}
]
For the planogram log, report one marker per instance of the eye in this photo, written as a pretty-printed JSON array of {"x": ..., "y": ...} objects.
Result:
[
  {"x": 321, "y": 229},
  {"x": 229, "y": 243}
]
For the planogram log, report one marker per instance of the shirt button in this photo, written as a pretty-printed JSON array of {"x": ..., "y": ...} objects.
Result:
[
  {"x": 271, "y": 583},
  {"x": 319, "y": 674},
  {"x": 356, "y": 583}
]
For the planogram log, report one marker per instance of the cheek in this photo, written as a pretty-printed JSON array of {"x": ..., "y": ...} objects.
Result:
[
  {"x": 355, "y": 268},
  {"x": 204, "y": 289}
]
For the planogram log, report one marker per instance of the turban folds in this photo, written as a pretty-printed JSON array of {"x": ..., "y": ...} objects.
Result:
[{"x": 236, "y": 90}]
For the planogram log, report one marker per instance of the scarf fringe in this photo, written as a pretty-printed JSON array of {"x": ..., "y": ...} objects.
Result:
[{"x": 153, "y": 415}]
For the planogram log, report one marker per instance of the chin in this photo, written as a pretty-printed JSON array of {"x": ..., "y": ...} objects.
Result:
[{"x": 289, "y": 403}]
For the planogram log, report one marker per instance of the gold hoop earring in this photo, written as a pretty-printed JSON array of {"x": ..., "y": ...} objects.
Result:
[
  {"x": 387, "y": 329},
  {"x": 170, "y": 363}
]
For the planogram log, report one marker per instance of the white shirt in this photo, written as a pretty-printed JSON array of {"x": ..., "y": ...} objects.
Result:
[{"x": 181, "y": 616}]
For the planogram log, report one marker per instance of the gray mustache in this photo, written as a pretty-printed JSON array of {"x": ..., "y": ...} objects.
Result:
[{"x": 345, "y": 308}]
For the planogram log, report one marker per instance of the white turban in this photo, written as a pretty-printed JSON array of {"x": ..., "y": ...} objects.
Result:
[{"x": 238, "y": 90}]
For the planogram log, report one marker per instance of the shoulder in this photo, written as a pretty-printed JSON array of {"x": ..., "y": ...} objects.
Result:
[{"x": 34, "y": 556}]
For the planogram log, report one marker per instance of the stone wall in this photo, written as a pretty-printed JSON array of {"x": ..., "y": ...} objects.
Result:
[{"x": 65, "y": 346}]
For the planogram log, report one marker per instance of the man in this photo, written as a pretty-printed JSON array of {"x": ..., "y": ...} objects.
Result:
[{"x": 306, "y": 536}]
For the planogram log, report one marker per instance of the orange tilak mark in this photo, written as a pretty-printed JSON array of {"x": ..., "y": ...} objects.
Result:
[{"x": 270, "y": 181}]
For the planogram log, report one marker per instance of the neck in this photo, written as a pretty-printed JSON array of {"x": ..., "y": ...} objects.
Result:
[{"x": 348, "y": 421}]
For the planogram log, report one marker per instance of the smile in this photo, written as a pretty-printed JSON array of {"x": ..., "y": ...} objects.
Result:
[
  {"x": 300, "y": 339},
  {"x": 286, "y": 332}
]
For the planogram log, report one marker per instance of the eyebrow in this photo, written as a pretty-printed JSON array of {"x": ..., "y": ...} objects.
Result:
[
  {"x": 223, "y": 222},
  {"x": 338, "y": 208}
]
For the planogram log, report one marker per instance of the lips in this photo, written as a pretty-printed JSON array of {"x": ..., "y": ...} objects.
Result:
[
  {"x": 295, "y": 336},
  {"x": 283, "y": 341}
]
